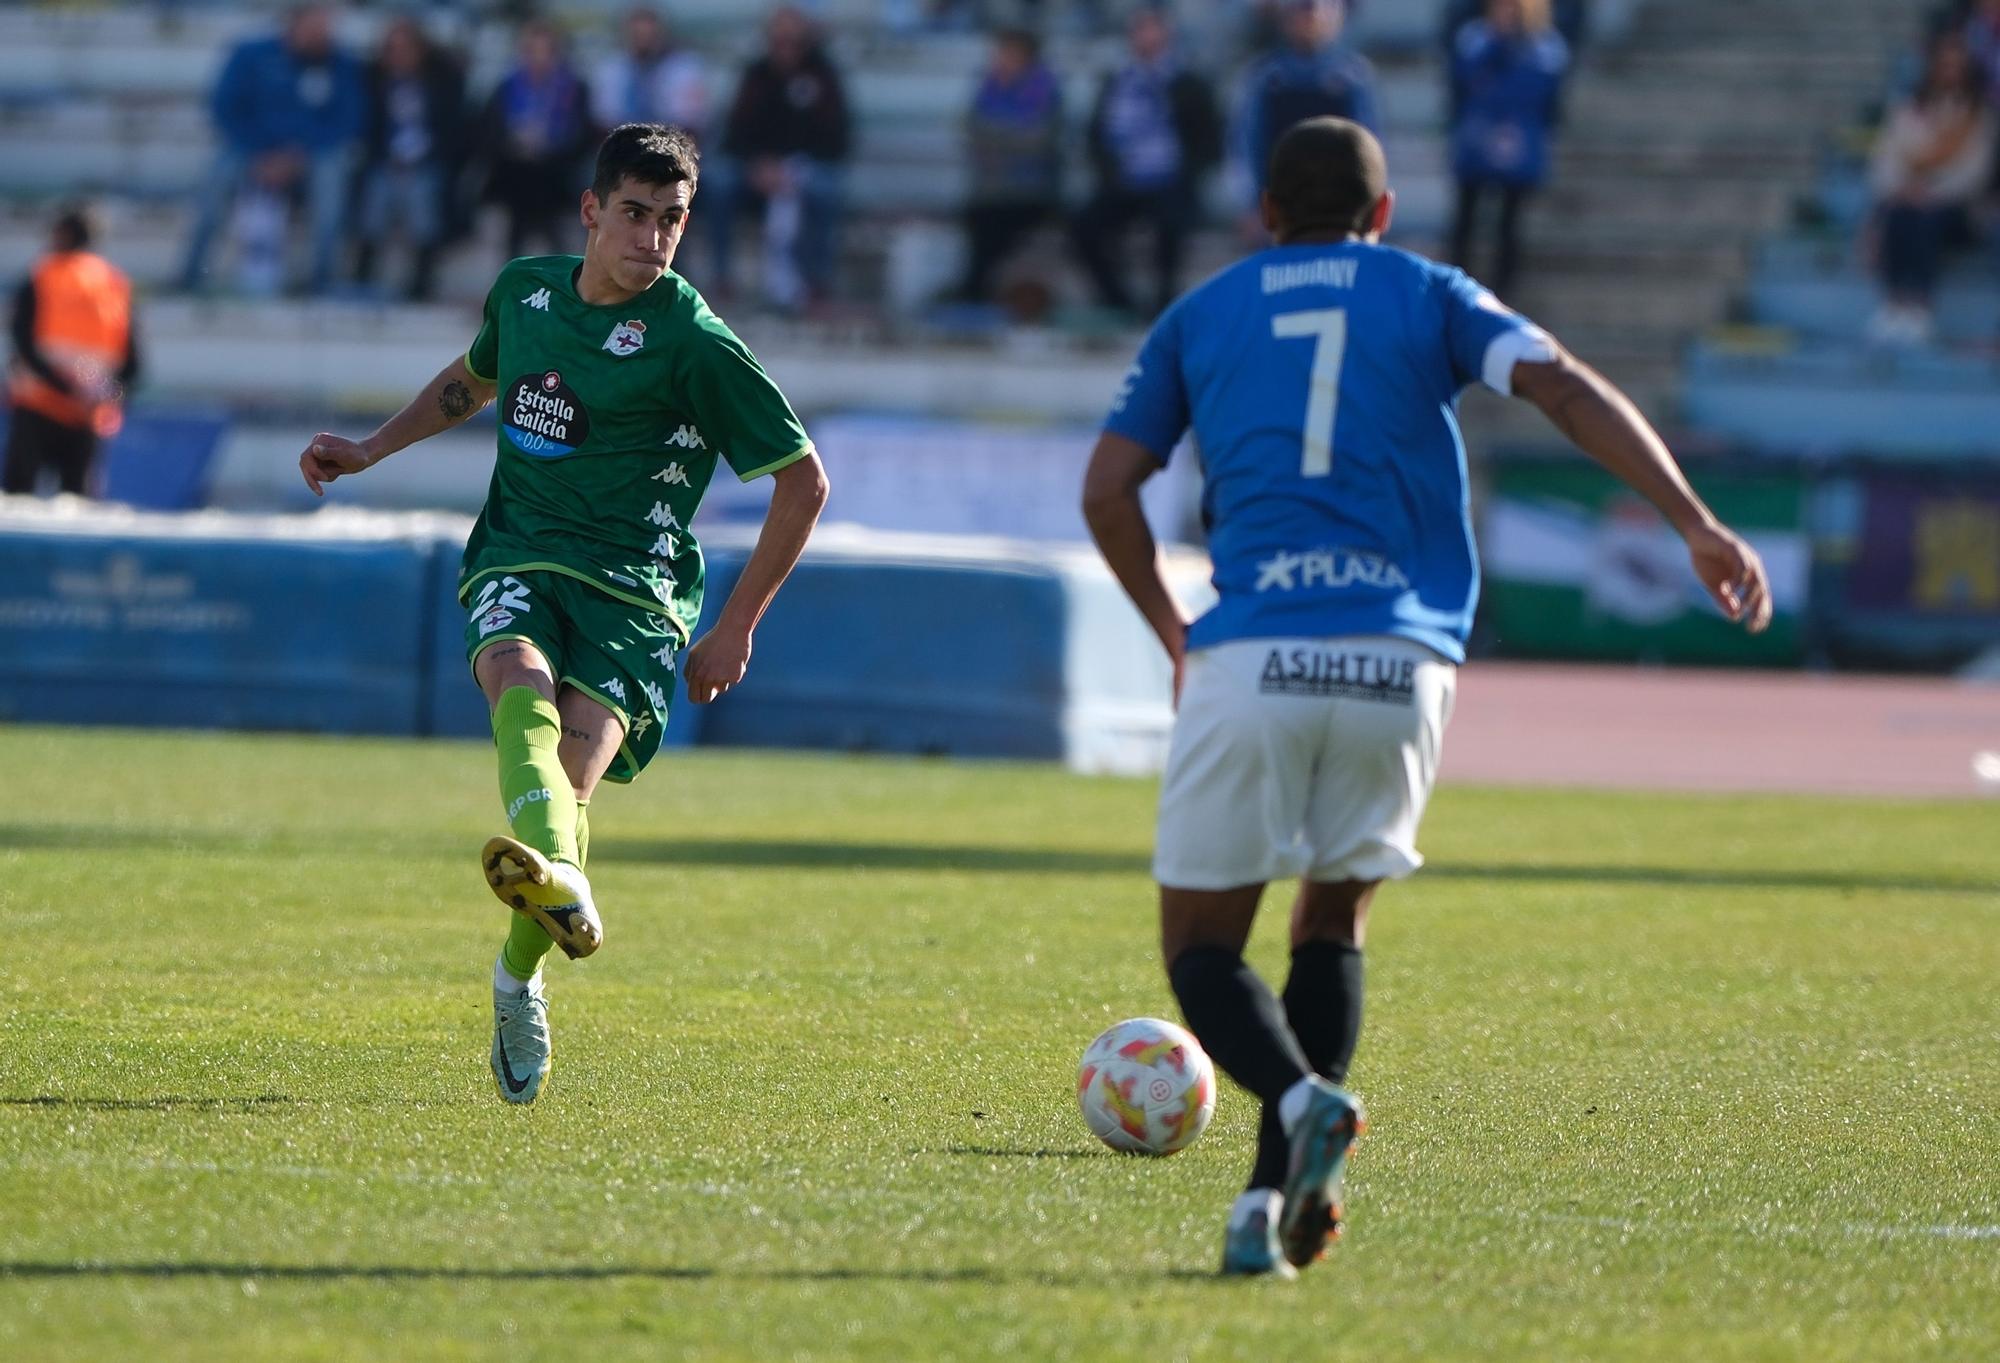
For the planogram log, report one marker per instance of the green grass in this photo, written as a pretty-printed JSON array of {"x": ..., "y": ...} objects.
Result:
[{"x": 1650, "y": 1077}]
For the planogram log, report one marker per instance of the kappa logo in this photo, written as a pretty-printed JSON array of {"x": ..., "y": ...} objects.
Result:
[
  {"x": 538, "y": 300},
  {"x": 665, "y": 656},
  {"x": 1126, "y": 385},
  {"x": 672, "y": 474},
  {"x": 614, "y": 687},
  {"x": 626, "y": 337},
  {"x": 663, "y": 547},
  {"x": 662, "y": 515},
  {"x": 688, "y": 438}
]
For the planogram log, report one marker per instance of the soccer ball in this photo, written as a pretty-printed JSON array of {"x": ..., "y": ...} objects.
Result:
[{"x": 1146, "y": 1086}]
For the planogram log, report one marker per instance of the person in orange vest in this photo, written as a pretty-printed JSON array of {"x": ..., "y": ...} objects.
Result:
[{"x": 75, "y": 354}]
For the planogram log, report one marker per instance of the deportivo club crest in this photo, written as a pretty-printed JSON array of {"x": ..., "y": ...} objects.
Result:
[{"x": 626, "y": 337}]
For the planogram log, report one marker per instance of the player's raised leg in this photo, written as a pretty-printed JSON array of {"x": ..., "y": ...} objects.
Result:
[{"x": 536, "y": 870}]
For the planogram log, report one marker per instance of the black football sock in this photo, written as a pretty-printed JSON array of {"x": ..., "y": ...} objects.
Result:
[
  {"x": 1238, "y": 1020},
  {"x": 1323, "y": 1006}
]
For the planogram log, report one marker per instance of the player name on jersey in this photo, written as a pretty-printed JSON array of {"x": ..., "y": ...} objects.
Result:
[{"x": 1305, "y": 274}]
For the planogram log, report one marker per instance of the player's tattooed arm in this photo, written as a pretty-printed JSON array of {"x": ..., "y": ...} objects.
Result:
[
  {"x": 456, "y": 401},
  {"x": 448, "y": 399}
]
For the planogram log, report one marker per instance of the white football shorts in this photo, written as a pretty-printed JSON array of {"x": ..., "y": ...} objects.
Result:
[{"x": 1301, "y": 757}]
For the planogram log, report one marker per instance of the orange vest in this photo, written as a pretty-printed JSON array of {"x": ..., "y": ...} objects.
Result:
[{"x": 83, "y": 324}]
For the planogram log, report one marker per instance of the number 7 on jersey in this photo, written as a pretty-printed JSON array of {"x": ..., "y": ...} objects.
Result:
[{"x": 1328, "y": 328}]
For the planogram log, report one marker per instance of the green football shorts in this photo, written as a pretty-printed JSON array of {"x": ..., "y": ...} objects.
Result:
[{"x": 620, "y": 655}]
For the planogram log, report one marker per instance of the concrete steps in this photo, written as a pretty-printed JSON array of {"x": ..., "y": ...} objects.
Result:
[{"x": 1682, "y": 147}]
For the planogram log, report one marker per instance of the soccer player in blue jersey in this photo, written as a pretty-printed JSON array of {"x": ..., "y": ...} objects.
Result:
[{"x": 1320, "y": 380}]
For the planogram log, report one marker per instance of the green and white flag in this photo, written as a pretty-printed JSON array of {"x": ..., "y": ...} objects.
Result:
[{"x": 1578, "y": 566}]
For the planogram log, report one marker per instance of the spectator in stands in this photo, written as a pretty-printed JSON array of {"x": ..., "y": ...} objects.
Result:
[
  {"x": 654, "y": 79},
  {"x": 537, "y": 133},
  {"x": 416, "y": 117},
  {"x": 1982, "y": 38},
  {"x": 1154, "y": 134},
  {"x": 1571, "y": 19},
  {"x": 1013, "y": 134},
  {"x": 289, "y": 110},
  {"x": 1507, "y": 73},
  {"x": 1932, "y": 161},
  {"x": 783, "y": 145},
  {"x": 1312, "y": 74},
  {"x": 76, "y": 353}
]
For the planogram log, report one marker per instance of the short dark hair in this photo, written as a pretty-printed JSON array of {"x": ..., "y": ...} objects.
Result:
[
  {"x": 75, "y": 227},
  {"x": 1327, "y": 174},
  {"x": 1029, "y": 41},
  {"x": 651, "y": 153}
]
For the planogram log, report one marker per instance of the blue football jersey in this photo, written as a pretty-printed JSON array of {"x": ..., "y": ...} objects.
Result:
[{"x": 1321, "y": 383}]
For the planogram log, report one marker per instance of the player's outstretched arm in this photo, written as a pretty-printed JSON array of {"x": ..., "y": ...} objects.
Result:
[
  {"x": 719, "y": 658},
  {"x": 1589, "y": 409},
  {"x": 450, "y": 398},
  {"x": 1117, "y": 520}
]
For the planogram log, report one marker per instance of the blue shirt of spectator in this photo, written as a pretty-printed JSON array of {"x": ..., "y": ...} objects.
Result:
[
  {"x": 272, "y": 97},
  {"x": 1293, "y": 84},
  {"x": 1138, "y": 126},
  {"x": 1015, "y": 126},
  {"x": 1506, "y": 92}
]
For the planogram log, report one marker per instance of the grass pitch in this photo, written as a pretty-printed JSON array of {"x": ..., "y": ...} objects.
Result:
[{"x": 1649, "y": 1077}]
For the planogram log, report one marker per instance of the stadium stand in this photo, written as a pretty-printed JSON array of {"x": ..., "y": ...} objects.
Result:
[
  {"x": 1805, "y": 368},
  {"x": 1697, "y": 240}
]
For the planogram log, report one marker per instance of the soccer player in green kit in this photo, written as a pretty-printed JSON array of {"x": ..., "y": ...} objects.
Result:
[{"x": 618, "y": 392}]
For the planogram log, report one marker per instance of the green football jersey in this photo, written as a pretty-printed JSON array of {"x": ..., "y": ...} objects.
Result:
[{"x": 611, "y": 421}]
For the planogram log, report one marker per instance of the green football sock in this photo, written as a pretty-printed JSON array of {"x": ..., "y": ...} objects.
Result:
[
  {"x": 526, "y": 946},
  {"x": 541, "y": 806},
  {"x": 534, "y": 789}
]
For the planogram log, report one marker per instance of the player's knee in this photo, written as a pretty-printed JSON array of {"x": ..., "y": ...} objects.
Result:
[
  {"x": 513, "y": 663},
  {"x": 1332, "y": 911}
]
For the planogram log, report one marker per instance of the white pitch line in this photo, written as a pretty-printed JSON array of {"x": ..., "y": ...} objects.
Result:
[
  {"x": 1754, "y": 1229},
  {"x": 1625, "y": 1224}
]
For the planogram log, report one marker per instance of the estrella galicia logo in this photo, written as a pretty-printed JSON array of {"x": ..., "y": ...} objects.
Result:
[{"x": 544, "y": 417}]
